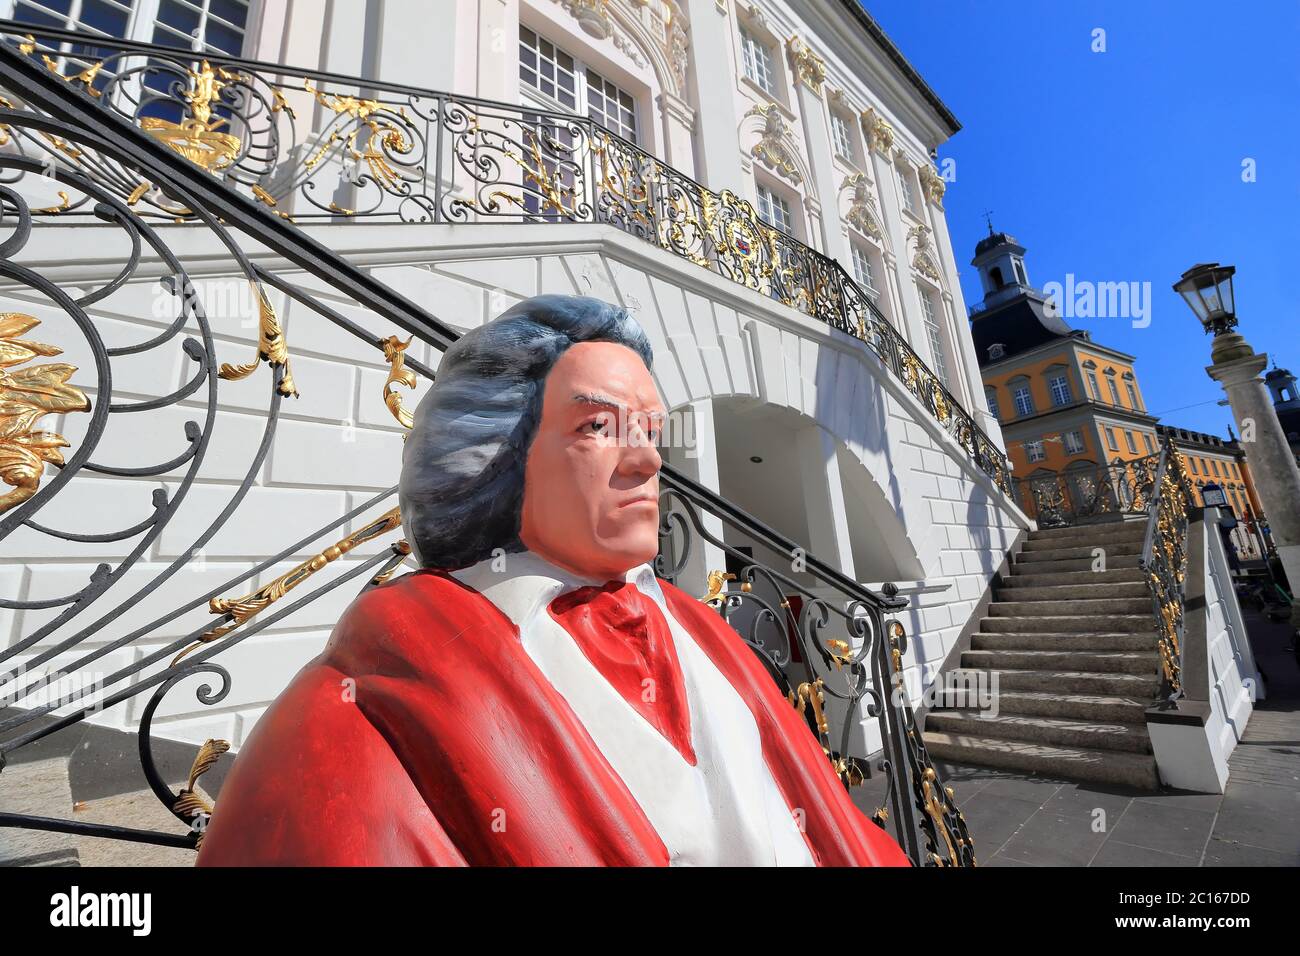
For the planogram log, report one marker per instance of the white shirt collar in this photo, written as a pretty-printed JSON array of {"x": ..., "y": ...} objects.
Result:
[{"x": 528, "y": 583}]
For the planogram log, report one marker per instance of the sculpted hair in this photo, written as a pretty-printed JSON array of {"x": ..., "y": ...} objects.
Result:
[{"x": 462, "y": 485}]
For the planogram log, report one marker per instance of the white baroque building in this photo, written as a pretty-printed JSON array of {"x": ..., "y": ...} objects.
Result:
[{"x": 804, "y": 109}]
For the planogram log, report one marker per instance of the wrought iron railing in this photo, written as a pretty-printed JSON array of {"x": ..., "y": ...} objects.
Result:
[
  {"x": 1164, "y": 562},
  {"x": 309, "y": 144},
  {"x": 847, "y": 638},
  {"x": 1089, "y": 493}
]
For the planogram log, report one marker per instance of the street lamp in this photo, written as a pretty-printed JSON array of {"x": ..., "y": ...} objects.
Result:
[
  {"x": 1208, "y": 290},
  {"x": 1212, "y": 496}
]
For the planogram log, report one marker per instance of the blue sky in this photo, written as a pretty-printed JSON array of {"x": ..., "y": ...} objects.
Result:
[{"x": 1126, "y": 165}]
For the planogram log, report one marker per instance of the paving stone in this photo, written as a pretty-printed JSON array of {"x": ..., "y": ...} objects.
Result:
[
  {"x": 1166, "y": 828},
  {"x": 1049, "y": 839},
  {"x": 1229, "y": 853},
  {"x": 1115, "y": 853}
]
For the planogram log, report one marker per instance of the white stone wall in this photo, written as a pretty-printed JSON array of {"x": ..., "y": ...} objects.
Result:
[{"x": 337, "y": 446}]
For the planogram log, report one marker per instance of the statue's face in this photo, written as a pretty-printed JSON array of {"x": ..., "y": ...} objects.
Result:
[{"x": 591, "y": 481}]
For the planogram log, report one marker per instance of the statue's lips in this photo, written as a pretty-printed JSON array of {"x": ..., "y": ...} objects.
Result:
[{"x": 641, "y": 500}]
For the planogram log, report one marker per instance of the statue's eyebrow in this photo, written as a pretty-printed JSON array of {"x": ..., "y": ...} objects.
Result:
[{"x": 602, "y": 400}]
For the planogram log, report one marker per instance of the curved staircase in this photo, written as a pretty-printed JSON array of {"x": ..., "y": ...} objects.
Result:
[{"x": 1068, "y": 656}]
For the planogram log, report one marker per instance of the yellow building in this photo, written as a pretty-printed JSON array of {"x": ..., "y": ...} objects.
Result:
[{"x": 1066, "y": 404}]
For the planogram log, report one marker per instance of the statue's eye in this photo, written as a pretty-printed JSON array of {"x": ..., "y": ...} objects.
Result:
[{"x": 597, "y": 426}]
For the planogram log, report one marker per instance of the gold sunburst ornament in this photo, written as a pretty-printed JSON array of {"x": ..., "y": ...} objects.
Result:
[{"x": 26, "y": 395}]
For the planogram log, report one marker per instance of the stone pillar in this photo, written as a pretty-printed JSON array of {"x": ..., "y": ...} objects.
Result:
[
  {"x": 717, "y": 158},
  {"x": 823, "y": 493},
  {"x": 809, "y": 73},
  {"x": 1277, "y": 479},
  {"x": 679, "y": 133},
  {"x": 699, "y": 462}
]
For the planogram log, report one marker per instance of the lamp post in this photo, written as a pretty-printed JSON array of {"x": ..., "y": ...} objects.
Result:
[{"x": 1207, "y": 289}]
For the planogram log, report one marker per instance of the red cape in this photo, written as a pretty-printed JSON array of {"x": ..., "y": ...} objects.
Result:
[{"x": 425, "y": 735}]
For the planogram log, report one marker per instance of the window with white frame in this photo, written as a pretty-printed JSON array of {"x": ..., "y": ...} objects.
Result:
[
  {"x": 1192, "y": 463},
  {"x": 1132, "y": 443},
  {"x": 610, "y": 106},
  {"x": 759, "y": 64},
  {"x": 774, "y": 210},
  {"x": 1060, "y": 388},
  {"x": 1151, "y": 446},
  {"x": 547, "y": 69},
  {"x": 1034, "y": 450},
  {"x": 841, "y": 138},
  {"x": 1023, "y": 398},
  {"x": 991, "y": 397},
  {"x": 1073, "y": 442},
  {"x": 1093, "y": 387},
  {"x": 863, "y": 270},
  {"x": 564, "y": 80},
  {"x": 206, "y": 26},
  {"x": 934, "y": 333},
  {"x": 905, "y": 188},
  {"x": 1111, "y": 443},
  {"x": 1132, "y": 395},
  {"x": 1114, "y": 391}
]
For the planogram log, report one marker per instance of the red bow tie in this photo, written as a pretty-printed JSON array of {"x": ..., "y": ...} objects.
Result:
[{"x": 626, "y": 637}]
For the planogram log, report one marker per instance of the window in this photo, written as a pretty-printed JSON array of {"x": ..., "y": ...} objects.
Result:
[
  {"x": 774, "y": 210},
  {"x": 1131, "y": 442},
  {"x": 1073, "y": 442},
  {"x": 209, "y": 25},
  {"x": 905, "y": 187},
  {"x": 611, "y": 107},
  {"x": 1020, "y": 394},
  {"x": 1114, "y": 392},
  {"x": 1020, "y": 272},
  {"x": 1060, "y": 388},
  {"x": 548, "y": 70},
  {"x": 1111, "y": 443},
  {"x": 1093, "y": 388},
  {"x": 862, "y": 269},
  {"x": 840, "y": 137},
  {"x": 1214, "y": 463},
  {"x": 757, "y": 59},
  {"x": 991, "y": 397},
  {"x": 934, "y": 334},
  {"x": 212, "y": 26},
  {"x": 1151, "y": 445},
  {"x": 996, "y": 351},
  {"x": 1132, "y": 395},
  {"x": 1192, "y": 463},
  {"x": 1034, "y": 450}
]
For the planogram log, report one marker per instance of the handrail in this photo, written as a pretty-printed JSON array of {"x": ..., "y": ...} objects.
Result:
[
  {"x": 490, "y": 161},
  {"x": 1164, "y": 563}
]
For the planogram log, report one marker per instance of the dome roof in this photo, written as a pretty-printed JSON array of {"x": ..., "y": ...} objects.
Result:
[{"x": 994, "y": 240}]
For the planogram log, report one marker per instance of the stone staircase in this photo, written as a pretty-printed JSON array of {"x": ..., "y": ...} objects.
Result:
[{"x": 1070, "y": 656}]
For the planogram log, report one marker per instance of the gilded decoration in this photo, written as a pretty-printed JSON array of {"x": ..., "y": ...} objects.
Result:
[
  {"x": 198, "y": 137},
  {"x": 26, "y": 395},
  {"x": 862, "y": 206},
  {"x": 880, "y": 135},
  {"x": 809, "y": 68},
  {"x": 933, "y": 185},
  {"x": 771, "y": 147}
]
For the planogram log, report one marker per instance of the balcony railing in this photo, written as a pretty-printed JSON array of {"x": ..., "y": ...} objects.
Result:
[
  {"x": 1089, "y": 493},
  {"x": 848, "y": 636},
  {"x": 313, "y": 145},
  {"x": 1164, "y": 562}
]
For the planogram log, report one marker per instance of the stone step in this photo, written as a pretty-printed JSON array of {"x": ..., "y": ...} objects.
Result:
[
  {"x": 1031, "y": 576},
  {"x": 1078, "y": 641},
  {"x": 1112, "y": 562},
  {"x": 1139, "y": 686},
  {"x": 1111, "y": 549},
  {"x": 1095, "y": 662},
  {"x": 1126, "y": 541},
  {"x": 1071, "y": 624},
  {"x": 1071, "y": 607},
  {"x": 1063, "y": 592},
  {"x": 1124, "y": 710},
  {"x": 1091, "y": 532},
  {"x": 1066, "y": 732},
  {"x": 1074, "y": 763}
]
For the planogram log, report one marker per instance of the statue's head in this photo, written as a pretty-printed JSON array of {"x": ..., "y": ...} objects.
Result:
[{"x": 539, "y": 433}]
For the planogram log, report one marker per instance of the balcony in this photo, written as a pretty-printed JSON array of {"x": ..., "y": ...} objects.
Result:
[{"x": 315, "y": 146}]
